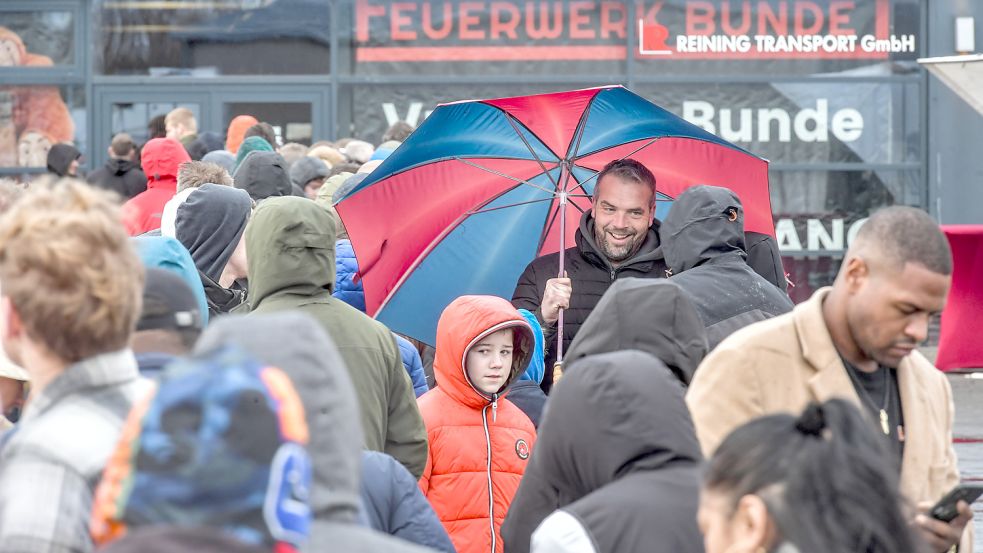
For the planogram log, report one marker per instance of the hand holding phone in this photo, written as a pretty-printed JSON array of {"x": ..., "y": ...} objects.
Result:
[{"x": 945, "y": 509}]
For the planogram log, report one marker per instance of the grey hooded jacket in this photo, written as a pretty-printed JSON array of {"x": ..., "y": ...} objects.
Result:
[
  {"x": 704, "y": 246},
  {"x": 648, "y": 315},
  {"x": 295, "y": 343},
  {"x": 622, "y": 439}
]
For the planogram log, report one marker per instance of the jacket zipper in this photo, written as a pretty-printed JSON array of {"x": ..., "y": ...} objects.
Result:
[
  {"x": 491, "y": 499},
  {"x": 613, "y": 274}
]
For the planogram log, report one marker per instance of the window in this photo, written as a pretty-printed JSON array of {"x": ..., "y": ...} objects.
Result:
[
  {"x": 37, "y": 39},
  {"x": 33, "y": 118},
  {"x": 259, "y": 37}
]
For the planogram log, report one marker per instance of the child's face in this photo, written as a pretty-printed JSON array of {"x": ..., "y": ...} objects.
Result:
[{"x": 489, "y": 362}]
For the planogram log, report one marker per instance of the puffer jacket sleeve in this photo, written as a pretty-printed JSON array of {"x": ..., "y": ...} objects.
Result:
[
  {"x": 346, "y": 268},
  {"x": 413, "y": 365},
  {"x": 528, "y": 295},
  {"x": 406, "y": 437},
  {"x": 412, "y": 518}
]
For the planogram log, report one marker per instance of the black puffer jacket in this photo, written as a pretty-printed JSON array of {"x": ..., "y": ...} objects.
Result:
[
  {"x": 703, "y": 241},
  {"x": 121, "y": 176},
  {"x": 626, "y": 464},
  {"x": 591, "y": 274}
]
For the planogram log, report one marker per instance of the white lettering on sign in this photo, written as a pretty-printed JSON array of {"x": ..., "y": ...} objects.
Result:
[
  {"x": 818, "y": 236},
  {"x": 809, "y": 124},
  {"x": 412, "y": 114}
]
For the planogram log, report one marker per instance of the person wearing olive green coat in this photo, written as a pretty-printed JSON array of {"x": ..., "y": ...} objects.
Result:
[{"x": 290, "y": 249}]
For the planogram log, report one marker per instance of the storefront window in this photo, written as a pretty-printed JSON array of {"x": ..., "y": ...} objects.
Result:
[
  {"x": 290, "y": 120},
  {"x": 36, "y": 39},
  {"x": 817, "y": 214},
  {"x": 804, "y": 122},
  {"x": 33, "y": 118},
  {"x": 133, "y": 117},
  {"x": 257, "y": 37}
]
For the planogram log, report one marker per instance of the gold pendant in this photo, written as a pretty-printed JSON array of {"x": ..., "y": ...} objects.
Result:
[{"x": 884, "y": 425}]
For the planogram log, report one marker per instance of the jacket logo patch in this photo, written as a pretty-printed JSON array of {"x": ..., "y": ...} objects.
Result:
[{"x": 522, "y": 449}]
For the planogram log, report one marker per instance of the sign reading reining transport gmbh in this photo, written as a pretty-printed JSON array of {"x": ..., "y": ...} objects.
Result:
[{"x": 597, "y": 30}]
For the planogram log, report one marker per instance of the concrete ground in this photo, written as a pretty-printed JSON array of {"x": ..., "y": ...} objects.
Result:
[{"x": 967, "y": 392}]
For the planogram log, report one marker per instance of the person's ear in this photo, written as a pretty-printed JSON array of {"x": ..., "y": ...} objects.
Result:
[
  {"x": 109, "y": 151},
  {"x": 750, "y": 525},
  {"x": 12, "y": 326},
  {"x": 856, "y": 271}
]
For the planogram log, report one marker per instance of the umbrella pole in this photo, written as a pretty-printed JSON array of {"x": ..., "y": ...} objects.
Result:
[{"x": 558, "y": 365}]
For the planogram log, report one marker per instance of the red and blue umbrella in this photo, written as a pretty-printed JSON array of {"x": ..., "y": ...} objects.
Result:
[{"x": 483, "y": 187}]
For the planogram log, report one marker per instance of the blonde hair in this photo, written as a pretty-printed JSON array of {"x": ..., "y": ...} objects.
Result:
[
  {"x": 327, "y": 154},
  {"x": 68, "y": 268},
  {"x": 192, "y": 174},
  {"x": 184, "y": 117}
]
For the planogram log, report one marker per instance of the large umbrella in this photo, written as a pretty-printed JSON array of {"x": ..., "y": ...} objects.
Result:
[{"x": 483, "y": 187}]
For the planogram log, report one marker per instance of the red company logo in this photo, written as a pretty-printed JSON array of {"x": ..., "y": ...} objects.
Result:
[
  {"x": 652, "y": 39},
  {"x": 522, "y": 449}
]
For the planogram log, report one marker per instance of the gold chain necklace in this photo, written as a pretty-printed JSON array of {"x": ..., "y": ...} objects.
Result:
[{"x": 885, "y": 426}]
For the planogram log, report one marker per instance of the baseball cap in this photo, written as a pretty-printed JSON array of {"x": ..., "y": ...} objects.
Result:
[{"x": 168, "y": 303}]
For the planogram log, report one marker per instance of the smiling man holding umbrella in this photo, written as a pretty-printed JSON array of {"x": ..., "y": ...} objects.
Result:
[{"x": 618, "y": 237}]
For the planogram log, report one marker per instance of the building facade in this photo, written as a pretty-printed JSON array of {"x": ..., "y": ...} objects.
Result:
[{"x": 828, "y": 90}]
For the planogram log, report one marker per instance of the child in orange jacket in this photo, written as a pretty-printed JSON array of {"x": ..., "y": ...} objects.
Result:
[{"x": 479, "y": 441}]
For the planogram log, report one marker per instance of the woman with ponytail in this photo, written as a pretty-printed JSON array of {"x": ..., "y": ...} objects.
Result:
[{"x": 818, "y": 483}]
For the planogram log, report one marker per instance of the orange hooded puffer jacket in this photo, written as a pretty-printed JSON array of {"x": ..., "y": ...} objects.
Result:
[{"x": 465, "y": 426}]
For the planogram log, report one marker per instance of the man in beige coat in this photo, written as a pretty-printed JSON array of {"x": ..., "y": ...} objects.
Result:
[{"x": 855, "y": 340}]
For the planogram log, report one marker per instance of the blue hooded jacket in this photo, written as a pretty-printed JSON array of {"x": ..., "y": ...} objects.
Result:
[
  {"x": 352, "y": 293},
  {"x": 167, "y": 253},
  {"x": 525, "y": 393},
  {"x": 393, "y": 503}
]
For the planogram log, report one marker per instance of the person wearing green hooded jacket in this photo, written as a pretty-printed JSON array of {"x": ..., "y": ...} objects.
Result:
[{"x": 290, "y": 250}]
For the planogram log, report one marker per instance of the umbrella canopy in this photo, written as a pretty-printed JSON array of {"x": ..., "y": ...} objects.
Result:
[{"x": 475, "y": 193}]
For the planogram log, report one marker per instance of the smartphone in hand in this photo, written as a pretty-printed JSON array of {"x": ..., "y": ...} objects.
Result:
[{"x": 945, "y": 509}]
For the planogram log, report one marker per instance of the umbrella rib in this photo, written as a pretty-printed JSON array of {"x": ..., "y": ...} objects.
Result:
[
  {"x": 594, "y": 176},
  {"x": 548, "y": 224},
  {"x": 476, "y": 211},
  {"x": 510, "y": 177},
  {"x": 509, "y": 118}
]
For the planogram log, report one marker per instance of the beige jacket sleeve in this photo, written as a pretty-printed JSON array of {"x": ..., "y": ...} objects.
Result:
[{"x": 725, "y": 393}]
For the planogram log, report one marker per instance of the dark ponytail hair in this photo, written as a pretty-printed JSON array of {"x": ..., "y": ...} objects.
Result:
[{"x": 827, "y": 478}]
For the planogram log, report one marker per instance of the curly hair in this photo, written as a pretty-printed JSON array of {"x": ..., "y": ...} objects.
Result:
[{"x": 69, "y": 270}]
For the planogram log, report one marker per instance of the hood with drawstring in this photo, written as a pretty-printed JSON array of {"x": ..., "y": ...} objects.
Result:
[
  {"x": 296, "y": 344},
  {"x": 704, "y": 244},
  {"x": 625, "y": 457},
  {"x": 654, "y": 316},
  {"x": 291, "y": 243},
  {"x": 161, "y": 158},
  {"x": 210, "y": 222},
  {"x": 705, "y": 222},
  {"x": 464, "y": 424}
]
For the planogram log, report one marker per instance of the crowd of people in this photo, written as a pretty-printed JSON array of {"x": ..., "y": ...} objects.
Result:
[{"x": 189, "y": 366}]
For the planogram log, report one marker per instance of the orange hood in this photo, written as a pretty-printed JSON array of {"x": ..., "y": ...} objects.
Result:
[
  {"x": 466, "y": 320},
  {"x": 237, "y": 128}
]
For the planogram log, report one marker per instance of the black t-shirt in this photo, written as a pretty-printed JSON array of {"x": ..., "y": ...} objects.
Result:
[{"x": 871, "y": 389}]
